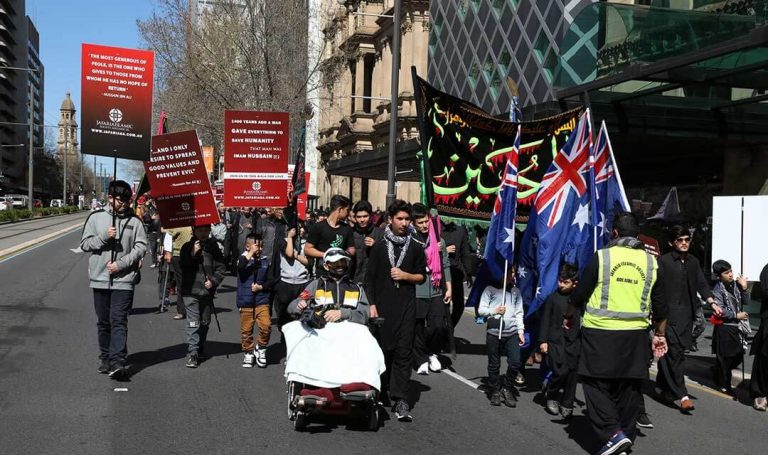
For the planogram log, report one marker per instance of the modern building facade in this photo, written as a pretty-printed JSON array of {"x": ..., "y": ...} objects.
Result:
[
  {"x": 354, "y": 105},
  {"x": 475, "y": 45},
  {"x": 677, "y": 81},
  {"x": 21, "y": 93}
]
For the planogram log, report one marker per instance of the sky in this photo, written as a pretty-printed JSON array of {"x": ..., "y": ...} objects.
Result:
[{"x": 64, "y": 26}]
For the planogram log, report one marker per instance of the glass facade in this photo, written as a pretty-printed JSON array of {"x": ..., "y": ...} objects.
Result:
[{"x": 475, "y": 45}]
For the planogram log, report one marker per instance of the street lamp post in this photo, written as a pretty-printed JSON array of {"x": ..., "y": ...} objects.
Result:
[
  {"x": 394, "y": 104},
  {"x": 394, "y": 99}
]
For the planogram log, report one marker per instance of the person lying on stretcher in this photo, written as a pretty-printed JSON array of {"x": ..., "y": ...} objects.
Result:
[{"x": 331, "y": 298}]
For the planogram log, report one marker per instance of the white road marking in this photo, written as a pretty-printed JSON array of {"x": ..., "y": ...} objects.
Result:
[
  {"x": 461, "y": 378},
  {"x": 121, "y": 389},
  {"x": 35, "y": 244}
]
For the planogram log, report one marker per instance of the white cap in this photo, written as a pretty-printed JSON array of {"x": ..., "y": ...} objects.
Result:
[{"x": 335, "y": 254}]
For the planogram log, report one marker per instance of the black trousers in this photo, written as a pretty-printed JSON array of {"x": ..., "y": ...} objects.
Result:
[
  {"x": 285, "y": 293},
  {"x": 399, "y": 360},
  {"x": 758, "y": 385},
  {"x": 612, "y": 405},
  {"x": 112, "y": 307},
  {"x": 506, "y": 346},
  {"x": 671, "y": 376},
  {"x": 566, "y": 383},
  {"x": 457, "y": 289},
  {"x": 429, "y": 330},
  {"x": 176, "y": 269},
  {"x": 723, "y": 369},
  {"x": 152, "y": 242}
]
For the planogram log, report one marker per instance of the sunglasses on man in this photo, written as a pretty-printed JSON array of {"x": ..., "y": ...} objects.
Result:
[{"x": 683, "y": 240}]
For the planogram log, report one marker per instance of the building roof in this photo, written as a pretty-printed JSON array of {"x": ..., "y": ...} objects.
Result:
[{"x": 67, "y": 104}]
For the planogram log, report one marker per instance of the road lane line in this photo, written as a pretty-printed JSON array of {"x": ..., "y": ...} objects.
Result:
[
  {"x": 461, "y": 378},
  {"x": 10, "y": 253}
]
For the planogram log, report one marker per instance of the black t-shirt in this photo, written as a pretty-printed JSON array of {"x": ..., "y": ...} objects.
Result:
[
  {"x": 322, "y": 236},
  {"x": 396, "y": 303}
]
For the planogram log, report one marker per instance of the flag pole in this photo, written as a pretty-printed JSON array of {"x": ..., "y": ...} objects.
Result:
[
  {"x": 624, "y": 199},
  {"x": 503, "y": 296},
  {"x": 592, "y": 182}
]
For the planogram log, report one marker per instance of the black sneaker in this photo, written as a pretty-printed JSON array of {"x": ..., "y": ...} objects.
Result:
[
  {"x": 509, "y": 398},
  {"x": 192, "y": 361},
  {"x": 643, "y": 421},
  {"x": 118, "y": 371},
  {"x": 104, "y": 367},
  {"x": 496, "y": 399},
  {"x": 403, "y": 411}
]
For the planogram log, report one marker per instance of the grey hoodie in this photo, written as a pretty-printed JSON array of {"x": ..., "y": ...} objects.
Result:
[{"x": 130, "y": 249}]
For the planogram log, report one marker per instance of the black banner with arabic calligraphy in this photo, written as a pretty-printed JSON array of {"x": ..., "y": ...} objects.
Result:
[{"x": 466, "y": 149}]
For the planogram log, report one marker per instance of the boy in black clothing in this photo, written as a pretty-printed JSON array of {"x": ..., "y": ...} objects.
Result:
[
  {"x": 202, "y": 270},
  {"x": 560, "y": 346}
]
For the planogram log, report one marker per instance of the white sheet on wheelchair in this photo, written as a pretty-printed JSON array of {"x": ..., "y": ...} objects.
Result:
[{"x": 340, "y": 353}]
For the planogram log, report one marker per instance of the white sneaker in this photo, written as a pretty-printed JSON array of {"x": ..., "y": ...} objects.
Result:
[
  {"x": 248, "y": 359},
  {"x": 434, "y": 363},
  {"x": 261, "y": 357},
  {"x": 423, "y": 369}
]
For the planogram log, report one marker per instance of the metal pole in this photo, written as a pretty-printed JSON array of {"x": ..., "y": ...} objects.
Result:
[
  {"x": 394, "y": 104},
  {"x": 31, "y": 177},
  {"x": 94, "y": 176}
]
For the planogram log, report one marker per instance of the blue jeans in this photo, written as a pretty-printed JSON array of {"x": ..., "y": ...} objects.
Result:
[
  {"x": 508, "y": 347},
  {"x": 198, "y": 321},
  {"x": 112, "y": 307}
]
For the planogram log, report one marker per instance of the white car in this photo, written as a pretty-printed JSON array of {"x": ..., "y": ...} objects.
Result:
[
  {"x": 57, "y": 203},
  {"x": 5, "y": 203}
]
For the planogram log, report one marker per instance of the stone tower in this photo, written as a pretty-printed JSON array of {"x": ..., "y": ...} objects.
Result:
[{"x": 67, "y": 130}]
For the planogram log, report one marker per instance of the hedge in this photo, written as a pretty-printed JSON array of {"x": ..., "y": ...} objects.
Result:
[{"x": 13, "y": 215}]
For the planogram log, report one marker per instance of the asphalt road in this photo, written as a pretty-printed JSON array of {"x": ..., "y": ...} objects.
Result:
[{"x": 53, "y": 401}]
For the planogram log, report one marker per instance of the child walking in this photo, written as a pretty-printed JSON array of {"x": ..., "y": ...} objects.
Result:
[
  {"x": 560, "y": 346},
  {"x": 254, "y": 294},
  {"x": 505, "y": 314}
]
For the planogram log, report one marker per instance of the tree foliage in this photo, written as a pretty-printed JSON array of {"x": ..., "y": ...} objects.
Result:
[{"x": 239, "y": 54}]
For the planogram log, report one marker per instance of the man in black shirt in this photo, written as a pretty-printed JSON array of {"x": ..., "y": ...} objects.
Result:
[
  {"x": 679, "y": 279},
  {"x": 331, "y": 233},
  {"x": 395, "y": 266},
  {"x": 366, "y": 235},
  {"x": 460, "y": 256}
]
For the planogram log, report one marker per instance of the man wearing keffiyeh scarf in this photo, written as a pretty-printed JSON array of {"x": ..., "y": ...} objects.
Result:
[{"x": 395, "y": 266}]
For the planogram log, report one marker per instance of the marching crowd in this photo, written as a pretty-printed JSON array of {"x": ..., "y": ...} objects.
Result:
[{"x": 601, "y": 328}]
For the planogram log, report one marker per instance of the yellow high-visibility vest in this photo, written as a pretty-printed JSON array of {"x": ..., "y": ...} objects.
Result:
[{"x": 622, "y": 298}]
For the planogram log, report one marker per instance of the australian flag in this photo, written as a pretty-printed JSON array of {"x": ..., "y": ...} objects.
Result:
[
  {"x": 608, "y": 194},
  {"x": 500, "y": 244},
  {"x": 559, "y": 222}
]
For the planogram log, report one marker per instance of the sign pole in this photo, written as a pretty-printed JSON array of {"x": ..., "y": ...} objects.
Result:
[{"x": 114, "y": 216}]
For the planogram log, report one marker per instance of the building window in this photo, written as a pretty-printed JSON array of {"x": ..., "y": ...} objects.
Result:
[
  {"x": 368, "y": 63},
  {"x": 463, "y": 8},
  {"x": 353, "y": 75},
  {"x": 474, "y": 74}
]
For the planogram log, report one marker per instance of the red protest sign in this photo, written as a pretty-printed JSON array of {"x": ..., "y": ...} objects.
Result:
[
  {"x": 301, "y": 200},
  {"x": 116, "y": 111},
  {"x": 179, "y": 181},
  {"x": 256, "y": 148}
]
